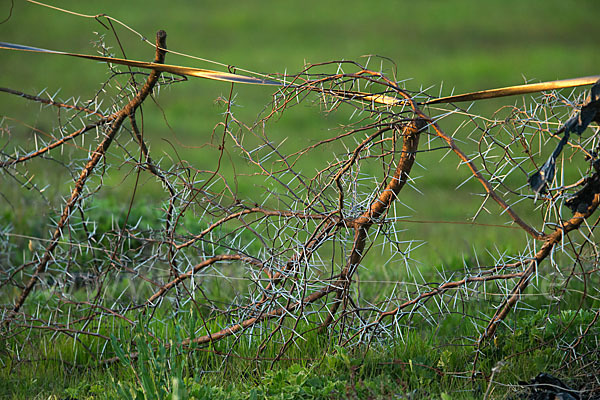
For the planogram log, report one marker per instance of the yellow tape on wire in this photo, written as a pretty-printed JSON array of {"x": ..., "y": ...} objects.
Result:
[{"x": 368, "y": 97}]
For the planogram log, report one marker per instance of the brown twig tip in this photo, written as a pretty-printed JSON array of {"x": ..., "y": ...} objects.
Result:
[
  {"x": 161, "y": 46},
  {"x": 161, "y": 39}
]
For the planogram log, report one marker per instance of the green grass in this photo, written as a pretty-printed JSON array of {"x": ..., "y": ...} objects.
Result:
[
  {"x": 466, "y": 45},
  {"x": 315, "y": 367}
]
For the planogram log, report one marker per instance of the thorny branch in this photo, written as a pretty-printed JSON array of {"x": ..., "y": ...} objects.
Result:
[
  {"x": 285, "y": 257},
  {"x": 96, "y": 156}
]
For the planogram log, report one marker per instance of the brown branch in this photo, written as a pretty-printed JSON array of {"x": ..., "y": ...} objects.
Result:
[
  {"x": 68, "y": 331},
  {"x": 378, "y": 207},
  {"x": 434, "y": 292},
  {"x": 97, "y": 155},
  {"x": 545, "y": 250},
  {"x": 486, "y": 184},
  {"x": 57, "y": 143},
  {"x": 488, "y": 187},
  {"x": 199, "y": 267},
  {"x": 258, "y": 210},
  {"x": 409, "y": 148},
  {"x": 51, "y": 102},
  {"x": 216, "y": 336}
]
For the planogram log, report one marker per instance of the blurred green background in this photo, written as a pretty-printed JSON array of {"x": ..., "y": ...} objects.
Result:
[
  {"x": 442, "y": 45},
  {"x": 467, "y": 44}
]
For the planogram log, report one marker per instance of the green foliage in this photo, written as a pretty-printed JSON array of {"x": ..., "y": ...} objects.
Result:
[
  {"x": 158, "y": 372},
  {"x": 422, "y": 364},
  {"x": 168, "y": 372}
]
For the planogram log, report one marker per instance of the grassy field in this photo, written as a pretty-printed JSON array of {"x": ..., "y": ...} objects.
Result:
[{"x": 437, "y": 46}]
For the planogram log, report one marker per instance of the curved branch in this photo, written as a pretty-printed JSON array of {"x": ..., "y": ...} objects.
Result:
[{"x": 378, "y": 207}]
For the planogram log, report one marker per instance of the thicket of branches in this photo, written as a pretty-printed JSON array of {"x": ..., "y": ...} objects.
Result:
[{"x": 289, "y": 259}]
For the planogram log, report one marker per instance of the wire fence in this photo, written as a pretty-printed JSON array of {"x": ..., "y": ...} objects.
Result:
[{"x": 312, "y": 244}]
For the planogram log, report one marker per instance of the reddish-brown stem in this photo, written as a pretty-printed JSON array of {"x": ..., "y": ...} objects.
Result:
[{"x": 378, "y": 208}]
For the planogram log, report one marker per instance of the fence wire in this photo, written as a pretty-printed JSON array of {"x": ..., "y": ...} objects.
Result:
[{"x": 296, "y": 239}]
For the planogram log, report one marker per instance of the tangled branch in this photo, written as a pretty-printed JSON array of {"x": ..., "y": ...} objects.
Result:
[{"x": 318, "y": 239}]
